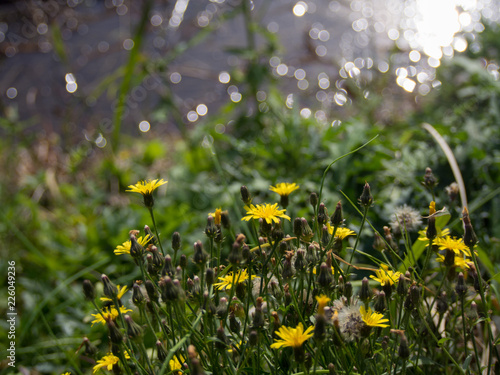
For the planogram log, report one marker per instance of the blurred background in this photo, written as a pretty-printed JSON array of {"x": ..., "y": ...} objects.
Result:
[{"x": 212, "y": 95}]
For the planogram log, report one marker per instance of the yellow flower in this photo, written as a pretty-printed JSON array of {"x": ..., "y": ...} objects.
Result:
[
  {"x": 146, "y": 187},
  {"x": 373, "y": 319},
  {"x": 384, "y": 275},
  {"x": 432, "y": 208},
  {"x": 107, "y": 361},
  {"x": 227, "y": 281},
  {"x": 322, "y": 301},
  {"x": 216, "y": 215},
  {"x": 265, "y": 211},
  {"x": 340, "y": 233},
  {"x": 284, "y": 188},
  {"x": 121, "y": 291},
  {"x": 293, "y": 337},
  {"x": 440, "y": 234},
  {"x": 110, "y": 313},
  {"x": 175, "y": 364},
  {"x": 124, "y": 248},
  {"x": 455, "y": 244},
  {"x": 66, "y": 373},
  {"x": 459, "y": 261}
]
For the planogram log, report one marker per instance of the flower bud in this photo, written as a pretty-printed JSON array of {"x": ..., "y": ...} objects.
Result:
[
  {"x": 241, "y": 291},
  {"x": 442, "y": 303},
  {"x": 431, "y": 232},
  {"x": 183, "y": 261},
  {"x": 245, "y": 253},
  {"x": 258, "y": 316},
  {"x": 152, "y": 238},
  {"x": 408, "y": 305},
  {"x": 470, "y": 238},
  {"x": 453, "y": 191},
  {"x": 176, "y": 241},
  {"x": 365, "y": 293},
  {"x": 161, "y": 352},
  {"x": 300, "y": 262},
  {"x": 209, "y": 277},
  {"x": 325, "y": 236},
  {"x": 225, "y": 220},
  {"x": 313, "y": 200},
  {"x": 234, "y": 256},
  {"x": 234, "y": 325},
  {"x": 385, "y": 343},
  {"x": 430, "y": 181},
  {"x": 388, "y": 288},
  {"x": 404, "y": 350},
  {"x": 168, "y": 268},
  {"x": 297, "y": 227},
  {"x": 287, "y": 272},
  {"x": 366, "y": 198},
  {"x": 168, "y": 290},
  {"x": 390, "y": 239},
  {"x": 347, "y": 290},
  {"x": 265, "y": 227},
  {"x": 115, "y": 334},
  {"x": 134, "y": 331},
  {"x": 320, "y": 328},
  {"x": 461, "y": 288},
  {"x": 473, "y": 313},
  {"x": 449, "y": 258},
  {"x": 378, "y": 243},
  {"x": 151, "y": 291},
  {"x": 325, "y": 276},
  {"x": 307, "y": 233},
  {"x": 208, "y": 304},
  {"x": 380, "y": 302},
  {"x": 199, "y": 257},
  {"x": 245, "y": 195},
  {"x": 157, "y": 257},
  {"x": 414, "y": 295},
  {"x": 88, "y": 290},
  {"x": 401, "y": 289},
  {"x": 210, "y": 229},
  {"x": 311, "y": 255},
  {"x": 110, "y": 290},
  {"x": 331, "y": 369},
  {"x": 221, "y": 342},
  {"x": 137, "y": 296},
  {"x": 337, "y": 218},
  {"x": 136, "y": 249},
  {"x": 221, "y": 309},
  {"x": 322, "y": 214}
]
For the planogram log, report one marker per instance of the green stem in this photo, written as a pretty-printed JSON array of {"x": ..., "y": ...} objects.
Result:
[
  {"x": 485, "y": 311},
  {"x": 365, "y": 213},
  {"x": 462, "y": 302},
  {"x": 429, "y": 329},
  {"x": 156, "y": 229}
]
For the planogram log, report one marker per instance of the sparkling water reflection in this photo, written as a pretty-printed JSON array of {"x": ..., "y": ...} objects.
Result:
[{"x": 331, "y": 48}]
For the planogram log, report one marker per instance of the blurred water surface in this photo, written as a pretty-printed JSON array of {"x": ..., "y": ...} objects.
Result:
[{"x": 62, "y": 61}]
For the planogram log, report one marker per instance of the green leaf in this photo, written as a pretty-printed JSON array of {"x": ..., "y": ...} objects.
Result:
[
  {"x": 466, "y": 363},
  {"x": 485, "y": 259},
  {"x": 443, "y": 340}
]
